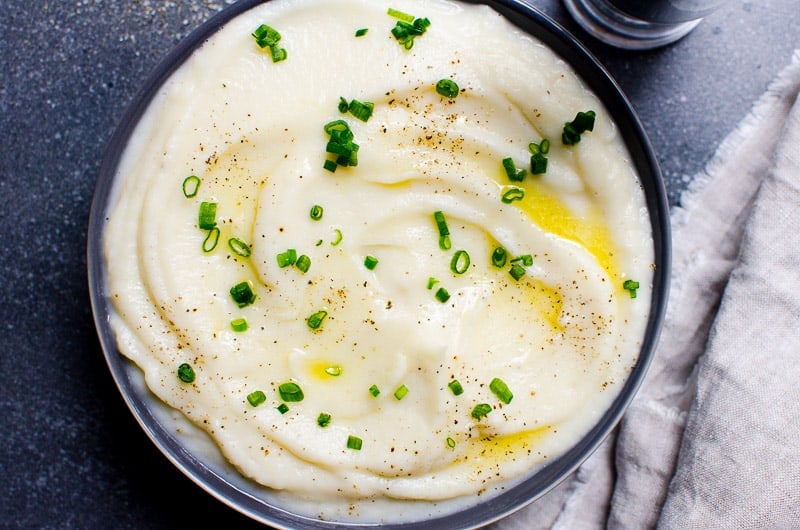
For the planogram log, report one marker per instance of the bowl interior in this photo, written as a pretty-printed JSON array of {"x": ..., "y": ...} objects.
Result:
[{"x": 220, "y": 479}]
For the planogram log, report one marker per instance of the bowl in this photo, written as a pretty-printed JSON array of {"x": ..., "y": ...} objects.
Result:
[{"x": 220, "y": 479}]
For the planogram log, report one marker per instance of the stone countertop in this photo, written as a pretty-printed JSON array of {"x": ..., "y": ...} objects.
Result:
[{"x": 72, "y": 454}]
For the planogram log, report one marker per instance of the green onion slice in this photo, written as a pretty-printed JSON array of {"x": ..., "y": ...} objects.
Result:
[
  {"x": 354, "y": 442},
  {"x": 207, "y": 216},
  {"x": 343, "y": 105},
  {"x": 526, "y": 259},
  {"x": 316, "y": 212},
  {"x": 370, "y": 262},
  {"x": 374, "y": 390},
  {"x": 513, "y": 174},
  {"x": 256, "y": 398},
  {"x": 517, "y": 271},
  {"x": 455, "y": 387},
  {"x": 631, "y": 286},
  {"x": 441, "y": 223},
  {"x": 400, "y": 15},
  {"x": 242, "y": 293},
  {"x": 447, "y": 88},
  {"x": 361, "y": 32},
  {"x": 431, "y": 282},
  {"x": 362, "y": 110},
  {"x": 442, "y": 295},
  {"x": 190, "y": 186},
  {"x": 450, "y": 442},
  {"x": 583, "y": 122},
  {"x": 303, "y": 263},
  {"x": 289, "y": 257},
  {"x": 239, "y": 247},
  {"x": 211, "y": 240},
  {"x": 239, "y": 324},
  {"x": 512, "y": 194},
  {"x": 480, "y": 410},
  {"x": 324, "y": 419},
  {"x": 330, "y": 165},
  {"x": 290, "y": 392},
  {"x": 499, "y": 257},
  {"x": 283, "y": 408},
  {"x": 338, "y": 238},
  {"x": 500, "y": 389},
  {"x": 315, "y": 320},
  {"x": 278, "y": 54},
  {"x": 538, "y": 164},
  {"x": 460, "y": 262},
  {"x": 186, "y": 373},
  {"x": 266, "y": 36},
  {"x": 401, "y": 392}
]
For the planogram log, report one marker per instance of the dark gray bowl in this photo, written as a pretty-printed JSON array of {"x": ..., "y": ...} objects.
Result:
[{"x": 221, "y": 480}]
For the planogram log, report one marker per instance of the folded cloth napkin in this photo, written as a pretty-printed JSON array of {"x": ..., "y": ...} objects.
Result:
[{"x": 712, "y": 440}]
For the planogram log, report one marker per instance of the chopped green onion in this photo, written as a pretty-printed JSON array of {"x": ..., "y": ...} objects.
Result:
[
  {"x": 526, "y": 259},
  {"x": 512, "y": 194},
  {"x": 290, "y": 392},
  {"x": 190, "y": 186},
  {"x": 283, "y": 408},
  {"x": 330, "y": 165},
  {"x": 354, "y": 442},
  {"x": 583, "y": 122},
  {"x": 319, "y": 242},
  {"x": 401, "y": 392},
  {"x": 361, "y": 110},
  {"x": 500, "y": 389},
  {"x": 334, "y": 370},
  {"x": 512, "y": 172},
  {"x": 441, "y": 223},
  {"x": 207, "y": 216},
  {"x": 303, "y": 263},
  {"x": 517, "y": 271},
  {"x": 239, "y": 247},
  {"x": 544, "y": 146},
  {"x": 450, "y": 442},
  {"x": 407, "y": 28},
  {"x": 343, "y": 105},
  {"x": 289, "y": 257},
  {"x": 442, "y": 295},
  {"x": 499, "y": 257},
  {"x": 211, "y": 240},
  {"x": 278, "y": 54},
  {"x": 315, "y": 320},
  {"x": 444, "y": 232},
  {"x": 239, "y": 324},
  {"x": 186, "y": 373},
  {"x": 399, "y": 14},
  {"x": 455, "y": 387},
  {"x": 460, "y": 262},
  {"x": 340, "y": 144},
  {"x": 538, "y": 164},
  {"x": 324, "y": 419},
  {"x": 338, "y": 237},
  {"x": 374, "y": 390},
  {"x": 431, "y": 282},
  {"x": 335, "y": 126},
  {"x": 480, "y": 410},
  {"x": 256, "y": 398},
  {"x": 316, "y": 212},
  {"x": 361, "y": 32},
  {"x": 266, "y": 36},
  {"x": 242, "y": 293},
  {"x": 370, "y": 262},
  {"x": 447, "y": 88},
  {"x": 631, "y": 286}
]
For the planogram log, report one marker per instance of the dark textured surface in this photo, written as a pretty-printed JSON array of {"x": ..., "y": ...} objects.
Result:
[{"x": 71, "y": 454}]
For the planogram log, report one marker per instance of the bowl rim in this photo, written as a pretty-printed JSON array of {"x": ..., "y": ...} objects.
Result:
[{"x": 533, "y": 22}]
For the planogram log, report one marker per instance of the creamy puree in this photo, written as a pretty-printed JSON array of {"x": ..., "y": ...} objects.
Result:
[{"x": 563, "y": 337}]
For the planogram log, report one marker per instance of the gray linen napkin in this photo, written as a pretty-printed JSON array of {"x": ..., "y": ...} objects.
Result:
[{"x": 712, "y": 440}]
